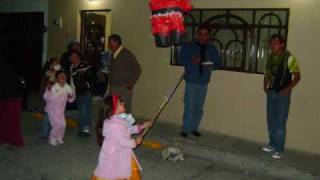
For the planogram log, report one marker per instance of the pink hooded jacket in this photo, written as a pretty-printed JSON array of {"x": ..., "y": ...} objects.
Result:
[
  {"x": 56, "y": 98},
  {"x": 116, "y": 152}
]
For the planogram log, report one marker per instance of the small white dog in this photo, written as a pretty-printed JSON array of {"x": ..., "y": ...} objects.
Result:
[{"x": 172, "y": 154}]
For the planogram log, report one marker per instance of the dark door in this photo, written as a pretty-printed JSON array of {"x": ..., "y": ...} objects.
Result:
[
  {"x": 92, "y": 36},
  {"x": 21, "y": 43}
]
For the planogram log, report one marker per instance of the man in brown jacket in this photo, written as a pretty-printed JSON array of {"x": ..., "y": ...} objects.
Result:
[{"x": 124, "y": 71}]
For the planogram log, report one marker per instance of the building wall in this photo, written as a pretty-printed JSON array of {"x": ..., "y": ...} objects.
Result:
[
  {"x": 28, "y": 6},
  {"x": 235, "y": 103}
]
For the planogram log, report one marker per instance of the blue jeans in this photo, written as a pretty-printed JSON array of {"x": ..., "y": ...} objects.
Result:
[
  {"x": 277, "y": 115},
  {"x": 194, "y": 97},
  {"x": 85, "y": 109},
  {"x": 46, "y": 127}
]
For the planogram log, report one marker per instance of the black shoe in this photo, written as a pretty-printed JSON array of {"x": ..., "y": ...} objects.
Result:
[
  {"x": 83, "y": 134},
  {"x": 183, "y": 134},
  {"x": 196, "y": 133}
]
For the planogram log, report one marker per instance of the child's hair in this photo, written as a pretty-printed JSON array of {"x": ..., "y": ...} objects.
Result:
[
  {"x": 60, "y": 72},
  {"x": 48, "y": 63},
  {"x": 111, "y": 104},
  {"x": 53, "y": 59}
]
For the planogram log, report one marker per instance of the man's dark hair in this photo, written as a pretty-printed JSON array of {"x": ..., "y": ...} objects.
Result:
[
  {"x": 70, "y": 45},
  {"x": 204, "y": 27},
  {"x": 116, "y": 38},
  {"x": 278, "y": 36},
  {"x": 75, "y": 52}
]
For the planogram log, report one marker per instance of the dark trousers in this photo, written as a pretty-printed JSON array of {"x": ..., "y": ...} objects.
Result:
[
  {"x": 85, "y": 110},
  {"x": 194, "y": 99}
]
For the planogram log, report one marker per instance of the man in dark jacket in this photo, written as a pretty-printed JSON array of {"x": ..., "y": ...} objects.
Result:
[
  {"x": 199, "y": 59},
  {"x": 124, "y": 71},
  {"x": 82, "y": 79}
]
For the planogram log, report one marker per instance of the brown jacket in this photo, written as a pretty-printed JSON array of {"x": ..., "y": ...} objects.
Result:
[{"x": 124, "y": 69}]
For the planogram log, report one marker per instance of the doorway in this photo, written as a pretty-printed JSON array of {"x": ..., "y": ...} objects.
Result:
[
  {"x": 95, "y": 27},
  {"x": 21, "y": 44}
]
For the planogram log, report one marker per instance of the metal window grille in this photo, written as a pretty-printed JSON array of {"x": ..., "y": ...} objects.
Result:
[{"x": 240, "y": 35}]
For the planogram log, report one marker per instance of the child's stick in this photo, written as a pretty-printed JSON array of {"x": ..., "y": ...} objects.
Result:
[{"x": 163, "y": 104}]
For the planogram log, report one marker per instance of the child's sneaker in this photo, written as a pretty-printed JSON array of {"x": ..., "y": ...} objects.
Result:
[
  {"x": 84, "y": 133},
  {"x": 276, "y": 155},
  {"x": 60, "y": 141},
  {"x": 53, "y": 142},
  {"x": 268, "y": 149}
]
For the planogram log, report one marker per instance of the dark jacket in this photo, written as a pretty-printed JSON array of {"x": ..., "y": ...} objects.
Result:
[
  {"x": 192, "y": 73},
  {"x": 281, "y": 76},
  {"x": 11, "y": 83},
  {"x": 65, "y": 61},
  {"x": 84, "y": 78},
  {"x": 124, "y": 70}
]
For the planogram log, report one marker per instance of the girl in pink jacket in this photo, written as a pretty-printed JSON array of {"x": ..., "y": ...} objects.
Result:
[
  {"x": 117, "y": 159},
  {"x": 56, "y": 97}
]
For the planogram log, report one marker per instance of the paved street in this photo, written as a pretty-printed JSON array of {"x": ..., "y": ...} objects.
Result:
[{"x": 76, "y": 159}]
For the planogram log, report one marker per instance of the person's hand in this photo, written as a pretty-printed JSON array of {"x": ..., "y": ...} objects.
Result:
[
  {"x": 70, "y": 96},
  {"x": 266, "y": 90},
  {"x": 196, "y": 60},
  {"x": 146, "y": 124},
  {"x": 139, "y": 140},
  {"x": 285, "y": 92}
]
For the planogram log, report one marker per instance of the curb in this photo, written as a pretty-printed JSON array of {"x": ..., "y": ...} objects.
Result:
[{"x": 261, "y": 165}]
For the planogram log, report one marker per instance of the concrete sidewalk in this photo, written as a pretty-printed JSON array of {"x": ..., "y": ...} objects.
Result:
[{"x": 240, "y": 154}]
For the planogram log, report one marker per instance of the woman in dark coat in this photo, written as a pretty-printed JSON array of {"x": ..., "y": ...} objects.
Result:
[{"x": 10, "y": 106}]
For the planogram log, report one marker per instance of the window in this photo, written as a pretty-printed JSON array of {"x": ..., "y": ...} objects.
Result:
[{"x": 240, "y": 35}]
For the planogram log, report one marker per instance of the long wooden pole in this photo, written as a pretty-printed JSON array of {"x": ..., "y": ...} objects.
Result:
[{"x": 163, "y": 104}]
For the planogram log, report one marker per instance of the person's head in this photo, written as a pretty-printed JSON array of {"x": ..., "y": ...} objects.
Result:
[
  {"x": 75, "y": 57},
  {"x": 74, "y": 46},
  {"x": 61, "y": 77},
  {"x": 114, "y": 42},
  {"x": 277, "y": 43},
  {"x": 54, "y": 64},
  {"x": 114, "y": 105},
  {"x": 202, "y": 36}
]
